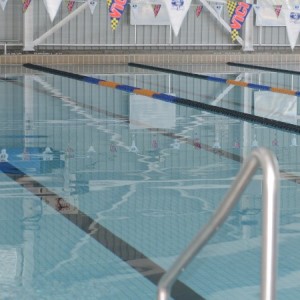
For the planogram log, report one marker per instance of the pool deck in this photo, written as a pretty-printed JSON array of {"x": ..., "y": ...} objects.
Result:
[{"x": 183, "y": 57}]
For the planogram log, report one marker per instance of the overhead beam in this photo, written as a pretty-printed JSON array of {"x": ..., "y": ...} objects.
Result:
[
  {"x": 226, "y": 91},
  {"x": 219, "y": 19},
  {"x": 60, "y": 24},
  {"x": 248, "y": 30},
  {"x": 28, "y": 20}
]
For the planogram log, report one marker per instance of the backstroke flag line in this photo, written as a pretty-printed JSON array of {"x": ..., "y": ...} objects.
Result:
[
  {"x": 177, "y": 10},
  {"x": 238, "y": 12}
]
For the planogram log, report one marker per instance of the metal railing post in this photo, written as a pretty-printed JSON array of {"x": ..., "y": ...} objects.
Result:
[{"x": 259, "y": 157}]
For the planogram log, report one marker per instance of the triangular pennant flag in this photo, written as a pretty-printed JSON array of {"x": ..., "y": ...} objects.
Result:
[
  {"x": 52, "y": 7},
  {"x": 70, "y": 5},
  {"x": 156, "y": 9},
  {"x": 3, "y": 4},
  {"x": 218, "y": 8},
  {"x": 92, "y": 5},
  {"x": 25, "y": 5},
  {"x": 134, "y": 9},
  {"x": 292, "y": 21},
  {"x": 116, "y": 11},
  {"x": 277, "y": 9},
  {"x": 238, "y": 12},
  {"x": 257, "y": 8},
  {"x": 177, "y": 10},
  {"x": 198, "y": 10}
]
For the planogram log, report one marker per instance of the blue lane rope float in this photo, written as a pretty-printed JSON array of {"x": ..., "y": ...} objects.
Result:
[
  {"x": 219, "y": 79},
  {"x": 172, "y": 99},
  {"x": 247, "y": 66}
]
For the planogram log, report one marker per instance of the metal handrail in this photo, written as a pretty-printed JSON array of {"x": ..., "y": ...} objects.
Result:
[{"x": 259, "y": 157}]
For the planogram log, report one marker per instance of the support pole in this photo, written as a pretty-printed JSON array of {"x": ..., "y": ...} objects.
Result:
[
  {"x": 248, "y": 32},
  {"x": 219, "y": 19},
  {"x": 60, "y": 24},
  {"x": 28, "y": 20}
]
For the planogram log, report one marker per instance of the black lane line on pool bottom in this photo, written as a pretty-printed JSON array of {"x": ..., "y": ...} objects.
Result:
[{"x": 134, "y": 258}]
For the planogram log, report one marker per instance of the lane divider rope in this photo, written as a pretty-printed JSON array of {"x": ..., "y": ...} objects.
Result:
[
  {"x": 172, "y": 99},
  {"x": 277, "y": 70},
  {"x": 220, "y": 80}
]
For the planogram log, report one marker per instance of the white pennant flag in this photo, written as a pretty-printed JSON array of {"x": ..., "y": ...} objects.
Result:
[
  {"x": 92, "y": 5},
  {"x": 257, "y": 8},
  {"x": 292, "y": 22},
  {"x": 134, "y": 9},
  {"x": 52, "y": 7},
  {"x": 218, "y": 8},
  {"x": 3, "y": 4},
  {"x": 177, "y": 10}
]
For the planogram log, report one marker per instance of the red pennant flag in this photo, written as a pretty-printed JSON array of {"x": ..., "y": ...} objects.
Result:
[
  {"x": 70, "y": 5},
  {"x": 277, "y": 9},
  {"x": 25, "y": 5},
  {"x": 198, "y": 10},
  {"x": 156, "y": 8}
]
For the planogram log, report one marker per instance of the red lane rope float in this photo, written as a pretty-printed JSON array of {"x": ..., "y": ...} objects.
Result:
[{"x": 172, "y": 99}]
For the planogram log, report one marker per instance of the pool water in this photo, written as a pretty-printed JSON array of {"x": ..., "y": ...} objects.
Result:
[{"x": 101, "y": 189}]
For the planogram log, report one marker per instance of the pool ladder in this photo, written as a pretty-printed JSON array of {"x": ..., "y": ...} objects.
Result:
[{"x": 265, "y": 159}]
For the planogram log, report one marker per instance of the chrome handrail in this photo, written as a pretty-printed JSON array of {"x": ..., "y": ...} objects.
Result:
[{"x": 259, "y": 157}]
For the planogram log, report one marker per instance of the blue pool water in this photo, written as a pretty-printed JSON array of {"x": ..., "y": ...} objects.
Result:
[{"x": 101, "y": 190}]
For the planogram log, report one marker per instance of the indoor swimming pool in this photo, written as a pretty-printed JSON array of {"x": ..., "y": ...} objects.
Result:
[{"x": 102, "y": 189}]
